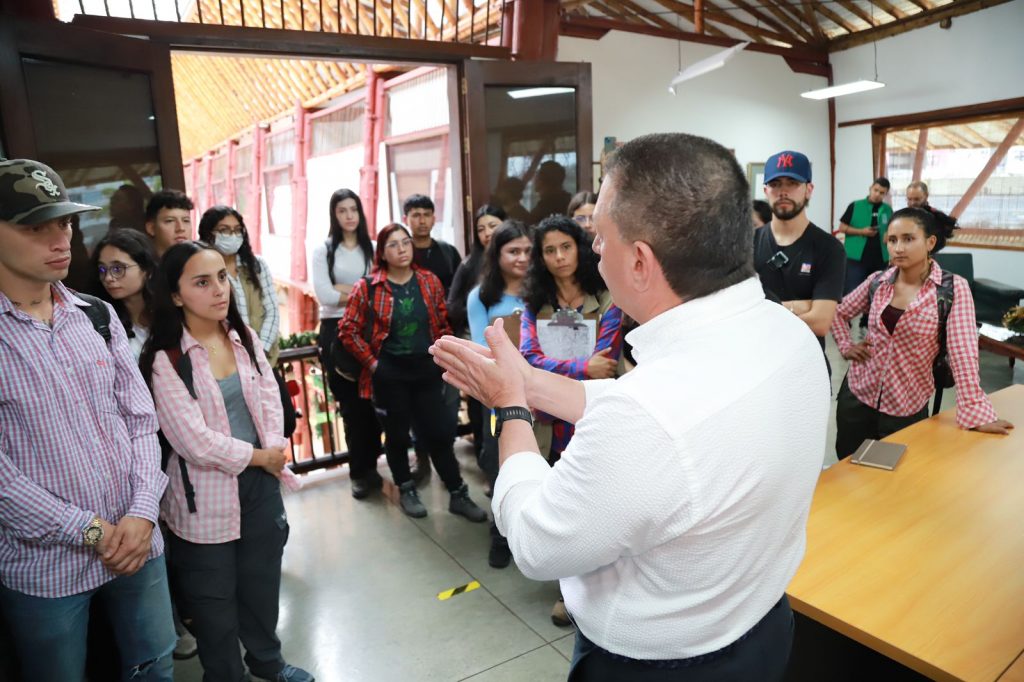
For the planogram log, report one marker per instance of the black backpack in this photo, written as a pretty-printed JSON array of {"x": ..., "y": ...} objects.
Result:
[
  {"x": 941, "y": 371},
  {"x": 99, "y": 315}
]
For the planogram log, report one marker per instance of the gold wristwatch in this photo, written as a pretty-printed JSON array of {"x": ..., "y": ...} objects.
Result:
[{"x": 93, "y": 533}]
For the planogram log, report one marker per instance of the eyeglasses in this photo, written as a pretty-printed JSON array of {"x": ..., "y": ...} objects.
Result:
[
  {"x": 229, "y": 232},
  {"x": 405, "y": 243},
  {"x": 116, "y": 271},
  {"x": 583, "y": 219}
]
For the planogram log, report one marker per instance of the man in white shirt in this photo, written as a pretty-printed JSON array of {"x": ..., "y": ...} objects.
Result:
[{"x": 676, "y": 517}]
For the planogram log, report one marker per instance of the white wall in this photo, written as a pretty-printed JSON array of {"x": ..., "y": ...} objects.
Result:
[
  {"x": 751, "y": 105},
  {"x": 978, "y": 60}
]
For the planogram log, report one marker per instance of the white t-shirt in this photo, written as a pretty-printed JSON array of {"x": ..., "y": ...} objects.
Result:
[
  {"x": 136, "y": 342},
  {"x": 349, "y": 266},
  {"x": 677, "y": 515}
]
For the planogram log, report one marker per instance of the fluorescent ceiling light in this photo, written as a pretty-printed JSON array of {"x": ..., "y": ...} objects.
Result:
[
  {"x": 706, "y": 65},
  {"x": 537, "y": 92},
  {"x": 844, "y": 89}
]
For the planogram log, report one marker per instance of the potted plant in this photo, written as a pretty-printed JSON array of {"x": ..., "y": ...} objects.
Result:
[{"x": 1014, "y": 321}]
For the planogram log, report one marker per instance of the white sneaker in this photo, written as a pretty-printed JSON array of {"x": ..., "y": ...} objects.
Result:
[{"x": 186, "y": 647}]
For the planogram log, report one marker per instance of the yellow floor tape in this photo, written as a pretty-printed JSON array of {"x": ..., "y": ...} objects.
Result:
[{"x": 462, "y": 589}]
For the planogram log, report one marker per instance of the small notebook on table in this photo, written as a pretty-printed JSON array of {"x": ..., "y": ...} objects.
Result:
[{"x": 875, "y": 453}]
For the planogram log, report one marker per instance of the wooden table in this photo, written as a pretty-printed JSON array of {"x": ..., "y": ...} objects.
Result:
[{"x": 925, "y": 564}]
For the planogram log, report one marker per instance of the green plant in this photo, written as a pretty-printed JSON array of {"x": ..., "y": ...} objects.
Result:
[
  {"x": 299, "y": 340},
  {"x": 1014, "y": 319}
]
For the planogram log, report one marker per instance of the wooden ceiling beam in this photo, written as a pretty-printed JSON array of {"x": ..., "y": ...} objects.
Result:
[
  {"x": 711, "y": 14},
  {"x": 645, "y": 14},
  {"x": 812, "y": 21},
  {"x": 714, "y": 13},
  {"x": 889, "y": 9},
  {"x": 570, "y": 5},
  {"x": 855, "y": 9},
  {"x": 912, "y": 22},
  {"x": 797, "y": 25},
  {"x": 612, "y": 12},
  {"x": 923, "y": 5},
  {"x": 782, "y": 29},
  {"x": 839, "y": 21},
  {"x": 978, "y": 137},
  {"x": 997, "y": 157}
]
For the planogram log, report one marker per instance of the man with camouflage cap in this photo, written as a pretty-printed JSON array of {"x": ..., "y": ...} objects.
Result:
[{"x": 80, "y": 478}]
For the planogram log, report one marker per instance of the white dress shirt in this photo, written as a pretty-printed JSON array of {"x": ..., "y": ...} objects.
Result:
[{"x": 676, "y": 517}]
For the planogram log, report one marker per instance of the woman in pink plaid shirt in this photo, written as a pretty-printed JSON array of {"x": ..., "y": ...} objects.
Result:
[
  {"x": 890, "y": 378},
  {"x": 224, "y": 508}
]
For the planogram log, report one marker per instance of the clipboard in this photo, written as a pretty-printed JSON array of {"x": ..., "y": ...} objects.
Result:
[
  {"x": 511, "y": 323},
  {"x": 568, "y": 334}
]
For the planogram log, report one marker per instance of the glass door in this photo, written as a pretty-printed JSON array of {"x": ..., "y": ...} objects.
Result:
[{"x": 528, "y": 143}]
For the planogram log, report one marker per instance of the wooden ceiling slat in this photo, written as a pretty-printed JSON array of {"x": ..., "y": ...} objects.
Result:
[
  {"x": 839, "y": 21},
  {"x": 855, "y": 9},
  {"x": 714, "y": 13},
  {"x": 795, "y": 24},
  {"x": 645, "y": 14},
  {"x": 611, "y": 12},
  {"x": 759, "y": 16},
  {"x": 812, "y": 20},
  {"x": 889, "y": 9}
]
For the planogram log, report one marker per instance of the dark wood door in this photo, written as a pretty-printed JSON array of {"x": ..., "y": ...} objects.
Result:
[
  {"x": 527, "y": 136},
  {"x": 98, "y": 108}
]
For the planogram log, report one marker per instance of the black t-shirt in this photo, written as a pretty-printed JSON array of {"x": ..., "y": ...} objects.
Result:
[
  {"x": 441, "y": 258},
  {"x": 872, "y": 258},
  {"x": 812, "y": 268}
]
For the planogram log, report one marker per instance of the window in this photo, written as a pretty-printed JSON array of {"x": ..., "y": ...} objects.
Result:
[
  {"x": 419, "y": 167},
  {"x": 974, "y": 169},
  {"x": 277, "y": 182},
  {"x": 338, "y": 129},
  {"x": 219, "y": 179},
  {"x": 242, "y": 178}
]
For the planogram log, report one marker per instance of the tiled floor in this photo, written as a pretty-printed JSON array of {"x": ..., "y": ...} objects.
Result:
[{"x": 359, "y": 600}]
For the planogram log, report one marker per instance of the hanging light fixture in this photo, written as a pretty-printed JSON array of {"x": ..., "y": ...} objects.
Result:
[
  {"x": 853, "y": 87},
  {"x": 706, "y": 65}
]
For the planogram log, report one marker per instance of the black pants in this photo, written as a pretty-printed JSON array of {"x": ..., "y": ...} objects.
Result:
[
  {"x": 476, "y": 424},
  {"x": 229, "y": 592},
  {"x": 856, "y": 421},
  {"x": 760, "y": 655},
  {"x": 407, "y": 392},
  {"x": 362, "y": 430}
]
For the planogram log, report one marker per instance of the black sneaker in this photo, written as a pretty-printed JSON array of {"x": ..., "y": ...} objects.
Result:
[
  {"x": 410, "y": 501},
  {"x": 500, "y": 555},
  {"x": 363, "y": 487},
  {"x": 463, "y": 506}
]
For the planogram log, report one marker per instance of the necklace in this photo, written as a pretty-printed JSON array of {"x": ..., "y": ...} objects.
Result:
[
  {"x": 568, "y": 302},
  {"x": 31, "y": 304}
]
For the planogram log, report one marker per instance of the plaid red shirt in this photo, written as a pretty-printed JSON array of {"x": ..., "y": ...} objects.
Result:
[
  {"x": 354, "y": 320},
  {"x": 897, "y": 379}
]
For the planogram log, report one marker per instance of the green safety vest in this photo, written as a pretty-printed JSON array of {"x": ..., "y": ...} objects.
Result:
[{"x": 862, "y": 211}]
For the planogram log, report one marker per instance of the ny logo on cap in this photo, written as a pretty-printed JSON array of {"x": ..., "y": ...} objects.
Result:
[{"x": 785, "y": 161}]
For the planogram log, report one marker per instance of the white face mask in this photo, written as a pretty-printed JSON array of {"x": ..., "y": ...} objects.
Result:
[{"x": 228, "y": 244}]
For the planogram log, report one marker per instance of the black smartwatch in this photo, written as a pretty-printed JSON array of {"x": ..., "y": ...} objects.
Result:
[{"x": 503, "y": 414}]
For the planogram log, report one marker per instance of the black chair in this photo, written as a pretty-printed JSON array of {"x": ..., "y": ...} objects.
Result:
[{"x": 991, "y": 299}]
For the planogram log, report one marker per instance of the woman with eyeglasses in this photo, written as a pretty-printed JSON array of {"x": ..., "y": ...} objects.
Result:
[
  {"x": 223, "y": 228},
  {"x": 123, "y": 262},
  {"x": 402, "y": 306},
  {"x": 581, "y": 209}
]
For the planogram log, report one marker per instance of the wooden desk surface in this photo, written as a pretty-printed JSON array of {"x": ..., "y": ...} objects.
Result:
[{"x": 925, "y": 564}]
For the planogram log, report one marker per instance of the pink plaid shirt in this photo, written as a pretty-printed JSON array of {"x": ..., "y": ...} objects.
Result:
[
  {"x": 898, "y": 377},
  {"x": 198, "y": 430}
]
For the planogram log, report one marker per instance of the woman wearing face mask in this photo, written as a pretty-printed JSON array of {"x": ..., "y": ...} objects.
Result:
[
  {"x": 123, "y": 262},
  {"x": 226, "y": 539},
  {"x": 581, "y": 209},
  {"x": 403, "y": 306},
  {"x": 223, "y": 228},
  {"x": 890, "y": 378}
]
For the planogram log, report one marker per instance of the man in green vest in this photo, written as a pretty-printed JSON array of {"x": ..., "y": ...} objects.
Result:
[{"x": 865, "y": 223}]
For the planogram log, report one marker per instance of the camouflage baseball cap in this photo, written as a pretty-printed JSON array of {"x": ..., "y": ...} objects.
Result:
[{"x": 33, "y": 193}]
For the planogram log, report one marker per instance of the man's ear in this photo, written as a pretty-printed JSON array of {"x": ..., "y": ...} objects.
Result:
[{"x": 150, "y": 228}]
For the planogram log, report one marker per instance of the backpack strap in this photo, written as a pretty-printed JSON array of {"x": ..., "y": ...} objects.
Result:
[
  {"x": 182, "y": 364},
  {"x": 944, "y": 302},
  {"x": 98, "y": 313}
]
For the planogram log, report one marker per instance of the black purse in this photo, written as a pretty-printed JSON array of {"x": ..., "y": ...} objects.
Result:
[{"x": 343, "y": 362}]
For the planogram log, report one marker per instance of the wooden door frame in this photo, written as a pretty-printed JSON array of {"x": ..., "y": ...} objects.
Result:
[{"x": 75, "y": 45}]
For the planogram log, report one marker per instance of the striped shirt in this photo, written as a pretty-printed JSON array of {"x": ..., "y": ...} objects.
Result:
[
  {"x": 354, "y": 321},
  {"x": 77, "y": 440},
  {"x": 897, "y": 379},
  {"x": 199, "y": 431},
  {"x": 269, "y": 330}
]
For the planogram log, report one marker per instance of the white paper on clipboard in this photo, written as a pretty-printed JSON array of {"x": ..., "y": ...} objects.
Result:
[{"x": 567, "y": 336}]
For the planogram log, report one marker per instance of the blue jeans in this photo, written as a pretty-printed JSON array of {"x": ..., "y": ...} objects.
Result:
[{"x": 50, "y": 633}]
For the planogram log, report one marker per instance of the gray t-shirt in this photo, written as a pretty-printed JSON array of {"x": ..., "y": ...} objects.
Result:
[
  {"x": 349, "y": 266},
  {"x": 242, "y": 426}
]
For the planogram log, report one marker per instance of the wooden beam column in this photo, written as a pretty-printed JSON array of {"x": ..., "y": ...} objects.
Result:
[
  {"x": 536, "y": 30},
  {"x": 698, "y": 16},
  {"x": 997, "y": 156},
  {"x": 922, "y": 149}
]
